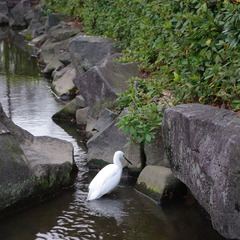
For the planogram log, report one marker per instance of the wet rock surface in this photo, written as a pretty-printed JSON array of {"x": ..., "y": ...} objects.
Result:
[
  {"x": 31, "y": 167},
  {"x": 203, "y": 146},
  {"x": 160, "y": 184}
]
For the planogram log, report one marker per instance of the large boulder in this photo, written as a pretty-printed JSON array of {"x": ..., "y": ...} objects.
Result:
[
  {"x": 50, "y": 54},
  {"x": 18, "y": 13},
  {"x": 35, "y": 13},
  {"x": 4, "y": 8},
  {"x": 105, "y": 119},
  {"x": 4, "y": 13},
  {"x": 155, "y": 152},
  {"x": 102, "y": 146},
  {"x": 63, "y": 80},
  {"x": 62, "y": 32},
  {"x": 47, "y": 51},
  {"x": 56, "y": 159},
  {"x": 160, "y": 184},
  {"x": 87, "y": 51},
  {"x": 82, "y": 116},
  {"x": 35, "y": 29},
  {"x": 15, "y": 174},
  {"x": 53, "y": 65},
  {"x": 52, "y": 20},
  {"x": 203, "y": 146},
  {"x": 4, "y": 33},
  {"x": 55, "y": 51},
  {"x": 3, "y": 19},
  {"x": 100, "y": 84},
  {"x": 32, "y": 168},
  {"x": 68, "y": 112}
]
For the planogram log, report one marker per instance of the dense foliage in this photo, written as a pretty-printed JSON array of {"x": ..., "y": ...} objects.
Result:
[
  {"x": 190, "y": 47},
  {"x": 145, "y": 103}
]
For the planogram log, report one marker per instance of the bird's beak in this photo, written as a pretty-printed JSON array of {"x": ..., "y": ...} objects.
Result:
[{"x": 127, "y": 160}]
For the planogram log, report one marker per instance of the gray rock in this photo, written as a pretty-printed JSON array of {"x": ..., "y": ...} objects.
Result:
[
  {"x": 82, "y": 116},
  {"x": 3, "y": 129},
  {"x": 31, "y": 167},
  {"x": 35, "y": 28},
  {"x": 65, "y": 58},
  {"x": 155, "y": 152},
  {"x": 40, "y": 39},
  {"x": 203, "y": 146},
  {"x": 81, "y": 103},
  {"x": 18, "y": 12},
  {"x": 63, "y": 80},
  {"x": 47, "y": 51},
  {"x": 91, "y": 122},
  {"x": 105, "y": 119},
  {"x": 3, "y": 19},
  {"x": 52, "y": 20},
  {"x": 4, "y": 33},
  {"x": 157, "y": 182},
  {"x": 14, "y": 164},
  {"x": 87, "y": 51},
  {"x": 68, "y": 112},
  {"x": 55, "y": 152},
  {"x": 54, "y": 48},
  {"x": 102, "y": 146},
  {"x": 4, "y": 8},
  {"x": 99, "y": 85},
  {"x": 53, "y": 65},
  {"x": 62, "y": 32},
  {"x": 34, "y": 13},
  {"x": 50, "y": 52},
  {"x": 20, "y": 135},
  {"x": 4, "y": 13}
]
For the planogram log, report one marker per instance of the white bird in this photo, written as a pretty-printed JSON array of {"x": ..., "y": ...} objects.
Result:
[{"x": 107, "y": 178}]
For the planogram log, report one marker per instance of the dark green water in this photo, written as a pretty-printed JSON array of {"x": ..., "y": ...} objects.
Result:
[{"x": 124, "y": 215}]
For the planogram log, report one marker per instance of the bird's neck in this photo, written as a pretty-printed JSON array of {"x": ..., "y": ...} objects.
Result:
[{"x": 117, "y": 162}]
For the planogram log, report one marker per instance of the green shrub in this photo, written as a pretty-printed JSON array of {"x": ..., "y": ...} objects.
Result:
[
  {"x": 145, "y": 105},
  {"x": 191, "y": 48},
  {"x": 71, "y": 8}
]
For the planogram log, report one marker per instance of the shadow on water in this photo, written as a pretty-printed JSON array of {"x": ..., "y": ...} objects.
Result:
[{"x": 123, "y": 214}]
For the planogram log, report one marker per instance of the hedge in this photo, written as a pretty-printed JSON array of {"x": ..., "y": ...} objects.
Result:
[{"x": 188, "y": 47}]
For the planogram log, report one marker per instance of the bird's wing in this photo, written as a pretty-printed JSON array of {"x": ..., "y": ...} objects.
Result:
[{"x": 104, "y": 181}]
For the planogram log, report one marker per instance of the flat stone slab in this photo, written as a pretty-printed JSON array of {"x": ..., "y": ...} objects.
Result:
[
  {"x": 48, "y": 151},
  {"x": 155, "y": 181},
  {"x": 63, "y": 82},
  {"x": 203, "y": 146}
]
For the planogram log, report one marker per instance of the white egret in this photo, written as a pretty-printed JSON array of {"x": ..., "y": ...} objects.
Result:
[{"x": 107, "y": 178}]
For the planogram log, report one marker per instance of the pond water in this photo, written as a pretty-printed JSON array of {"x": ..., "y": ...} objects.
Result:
[{"x": 125, "y": 214}]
